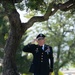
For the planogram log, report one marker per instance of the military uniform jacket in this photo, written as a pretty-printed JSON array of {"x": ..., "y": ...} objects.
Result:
[{"x": 41, "y": 58}]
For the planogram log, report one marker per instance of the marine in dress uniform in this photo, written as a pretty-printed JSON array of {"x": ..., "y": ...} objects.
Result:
[{"x": 42, "y": 63}]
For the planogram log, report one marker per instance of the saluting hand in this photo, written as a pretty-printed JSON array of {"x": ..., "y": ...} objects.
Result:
[{"x": 33, "y": 42}]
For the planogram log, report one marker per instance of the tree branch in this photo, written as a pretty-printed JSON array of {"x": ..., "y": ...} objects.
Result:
[
  {"x": 48, "y": 13},
  {"x": 12, "y": 1},
  {"x": 67, "y": 6},
  {"x": 52, "y": 9}
]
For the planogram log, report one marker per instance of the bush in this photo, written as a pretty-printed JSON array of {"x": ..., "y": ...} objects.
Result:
[
  {"x": 27, "y": 74},
  {"x": 60, "y": 73}
]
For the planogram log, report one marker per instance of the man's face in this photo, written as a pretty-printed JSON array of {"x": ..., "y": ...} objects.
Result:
[{"x": 41, "y": 41}]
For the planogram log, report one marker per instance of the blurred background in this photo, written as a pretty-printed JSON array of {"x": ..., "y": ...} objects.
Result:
[{"x": 60, "y": 34}]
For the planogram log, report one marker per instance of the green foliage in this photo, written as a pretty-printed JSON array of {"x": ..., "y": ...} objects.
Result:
[
  {"x": 59, "y": 73},
  {"x": 3, "y": 30},
  {"x": 30, "y": 14},
  {"x": 0, "y": 69},
  {"x": 1, "y": 52},
  {"x": 20, "y": 6},
  {"x": 36, "y": 4},
  {"x": 23, "y": 62},
  {"x": 42, "y": 5},
  {"x": 4, "y": 27},
  {"x": 73, "y": 11},
  {"x": 27, "y": 74},
  {"x": 10, "y": 6}
]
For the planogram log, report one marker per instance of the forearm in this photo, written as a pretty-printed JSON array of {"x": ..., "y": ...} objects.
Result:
[
  {"x": 26, "y": 48},
  {"x": 29, "y": 48}
]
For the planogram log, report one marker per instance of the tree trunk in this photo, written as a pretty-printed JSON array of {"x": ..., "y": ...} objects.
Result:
[
  {"x": 16, "y": 32},
  {"x": 9, "y": 64}
]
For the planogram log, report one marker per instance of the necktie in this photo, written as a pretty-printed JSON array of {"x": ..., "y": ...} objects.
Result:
[{"x": 42, "y": 47}]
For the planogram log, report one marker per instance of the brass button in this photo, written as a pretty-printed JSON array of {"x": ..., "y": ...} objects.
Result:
[
  {"x": 42, "y": 53},
  {"x": 41, "y": 61}
]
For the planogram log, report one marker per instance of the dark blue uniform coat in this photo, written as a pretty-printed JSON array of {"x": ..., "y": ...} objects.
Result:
[{"x": 40, "y": 64}]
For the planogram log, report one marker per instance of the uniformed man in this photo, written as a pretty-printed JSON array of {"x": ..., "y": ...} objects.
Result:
[{"x": 42, "y": 63}]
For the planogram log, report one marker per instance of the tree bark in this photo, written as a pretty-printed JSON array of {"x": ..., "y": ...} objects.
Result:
[{"x": 16, "y": 32}]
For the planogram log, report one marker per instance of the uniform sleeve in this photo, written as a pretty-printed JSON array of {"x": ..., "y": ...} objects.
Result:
[
  {"x": 51, "y": 59},
  {"x": 29, "y": 48}
]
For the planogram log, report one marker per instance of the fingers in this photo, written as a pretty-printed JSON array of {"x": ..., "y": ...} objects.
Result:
[{"x": 33, "y": 42}]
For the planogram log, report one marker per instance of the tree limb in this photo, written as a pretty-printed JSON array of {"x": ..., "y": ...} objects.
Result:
[
  {"x": 48, "y": 13},
  {"x": 67, "y": 6},
  {"x": 52, "y": 9}
]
